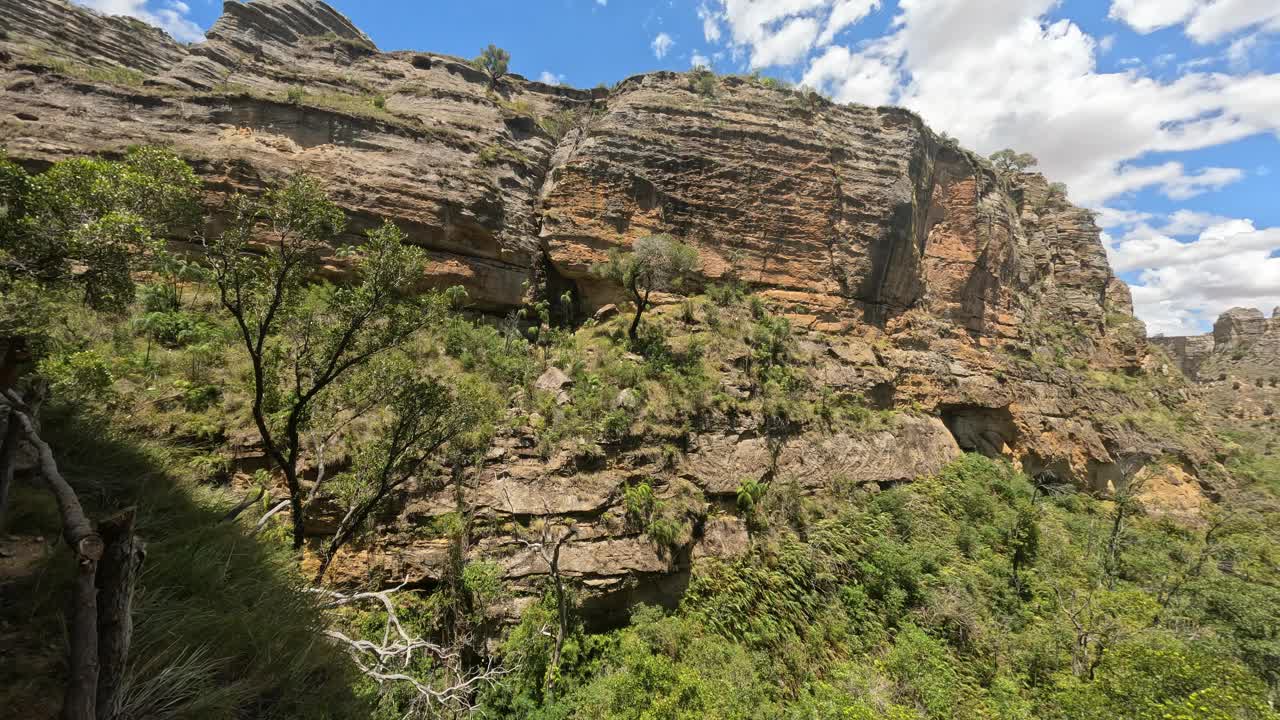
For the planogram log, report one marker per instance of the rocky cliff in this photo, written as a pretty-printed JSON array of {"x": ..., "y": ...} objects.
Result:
[
  {"x": 979, "y": 305},
  {"x": 1238, "y": 364}
]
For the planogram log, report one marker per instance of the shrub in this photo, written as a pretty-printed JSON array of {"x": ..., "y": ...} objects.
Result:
[
  {"x": 79, "y": 376},
  {"x": 749, "y": 493},
  {"x": 295, "y": 95},
  {"x": 640, "y": 503},
  {"x": 703, "y": 82},
  {"x": 559, "y": 123},
  {"x": 493, "y": 61},
  {"x": 664, "y": 532}
]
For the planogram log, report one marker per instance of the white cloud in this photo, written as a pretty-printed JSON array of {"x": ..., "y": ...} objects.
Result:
[
  {"x": 710, "y": 23},
  {"x": 868, "y": 77},
  {"x": 661, "y": 45},
  {"x": 1183, "y": 286},
  {"x": 1107, "y": 217},
  {"x": 844, "y": 14},
  {"x": 551, "y": 78},
  {"x": 788, "y": 45},
  {"x": 1186, "y": 186},
  {"x": 170, "y": 17},
  {"x": 1146, "y": 16},
  {"x": 1205, "y": 20},
  {"x": 602, "y": 3},
  {"x": 1190, "y": 222},
  {"x": 699, "y": 60}
]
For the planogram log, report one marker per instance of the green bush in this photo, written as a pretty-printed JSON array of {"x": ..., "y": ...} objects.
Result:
[
  {"x": 749, "y": 493},
  {"x": 78, "y": 377},
  {"x": 639, "y": 502}
]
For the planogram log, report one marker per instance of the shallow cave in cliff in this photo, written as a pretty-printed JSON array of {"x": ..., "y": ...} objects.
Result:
[{"x": 980, "y": 429}]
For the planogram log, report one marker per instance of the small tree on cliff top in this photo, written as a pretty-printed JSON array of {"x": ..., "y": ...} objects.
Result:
[
  {"x": 656, "y": 263},
  {"x": 303, "y": 337},
  {"x": 1009, "y": 161},
  {"x": 493, "y": 61}
]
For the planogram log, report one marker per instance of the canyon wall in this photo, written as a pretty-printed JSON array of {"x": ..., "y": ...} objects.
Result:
[
  {"x": 979, "y": 304},
  {"x": 1237, "y": 365}
]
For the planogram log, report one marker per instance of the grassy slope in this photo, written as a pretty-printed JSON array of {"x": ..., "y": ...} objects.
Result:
[{"x": 900, "y": 604}]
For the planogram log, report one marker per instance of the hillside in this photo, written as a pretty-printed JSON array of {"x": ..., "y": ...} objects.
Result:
[{"x": 895, "y": 380}]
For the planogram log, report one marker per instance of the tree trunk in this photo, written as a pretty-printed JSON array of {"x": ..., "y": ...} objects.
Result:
[
  {"x": 641, "y": 302},
  {"x": 8, "y": 458},
  {"x": 117, "y": 575},
  {"x": 80, "y": 700},
  {"x": 295, "y": 510}
]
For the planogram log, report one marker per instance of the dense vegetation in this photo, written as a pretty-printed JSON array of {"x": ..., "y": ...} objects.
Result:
[{"x": 971, "y": 594}]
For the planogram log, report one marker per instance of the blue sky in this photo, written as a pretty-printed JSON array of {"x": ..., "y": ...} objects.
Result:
[{"x": 1161, "y": 114}]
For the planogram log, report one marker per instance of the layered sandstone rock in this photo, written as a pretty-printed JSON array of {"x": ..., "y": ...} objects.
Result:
[
  {"x": 916, "y": 275},
  {"x": 1237, "y": 365}
]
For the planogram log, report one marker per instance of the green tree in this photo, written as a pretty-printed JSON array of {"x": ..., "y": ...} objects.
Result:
[
  {"x": 425, "y": 415},
  {"x": 302, "y": 337},
  {"x": 1010, "y": 161},
  {"x": 87, "y": 222},
  {"x": 493, "y": 61},
  {"x": 656, "y": 263}
]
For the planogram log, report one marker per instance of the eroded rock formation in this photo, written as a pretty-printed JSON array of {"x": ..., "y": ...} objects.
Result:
[
  {"x": 1237, "y": 365},
  {"x": 920, "y": 277}
]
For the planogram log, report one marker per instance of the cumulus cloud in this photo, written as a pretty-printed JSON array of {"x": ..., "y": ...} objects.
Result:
[
  {"x": 844, "y": 14},
  {"x": 661, "y": 45},
  {"x": 699, "y": 60},
  {"x": 170, "y": 16},
  {"x": 1204, "y": 20},
  {"x": 869, "y": 76},
  {"x": 710, "y": 23},
  {"x": 551, "y": 78},
  {"x": 1183, "y": 286}
]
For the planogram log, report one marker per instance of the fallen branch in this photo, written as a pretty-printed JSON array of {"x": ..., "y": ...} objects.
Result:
[
  {"x": 262, "y": 521},
  {"x": 389, "y": 659},
  {"x": 234, "y": 512}
]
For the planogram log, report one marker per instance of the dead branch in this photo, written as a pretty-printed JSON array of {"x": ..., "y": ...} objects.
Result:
[
  {"x": 249, "y": 500},
  {"x": 117, "y": 576},
  {"x": 8, "y": 456},
  {"x": 548, "y": 548},
  {"x": 262, "y": 521},
  {"x": 388, "y": 660}
]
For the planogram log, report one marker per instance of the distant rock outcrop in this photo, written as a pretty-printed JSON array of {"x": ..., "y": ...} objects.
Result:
[{"x": 1238, "y": 364}]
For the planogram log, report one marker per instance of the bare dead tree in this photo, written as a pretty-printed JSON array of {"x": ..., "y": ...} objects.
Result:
[
  {"x": 389, "y": 659},
  {"x": 547, "y": 547},
  {"x": 1126, "y": 505}
]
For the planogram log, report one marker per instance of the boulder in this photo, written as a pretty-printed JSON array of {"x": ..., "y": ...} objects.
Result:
[{"x": 553, "y": 380}]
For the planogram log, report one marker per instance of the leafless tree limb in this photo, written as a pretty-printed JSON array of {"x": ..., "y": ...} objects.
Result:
[
  {"x": 548, "y": 548},
  {"x": 262, "y": 521},
  {"x": 389, "y": 660}
]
